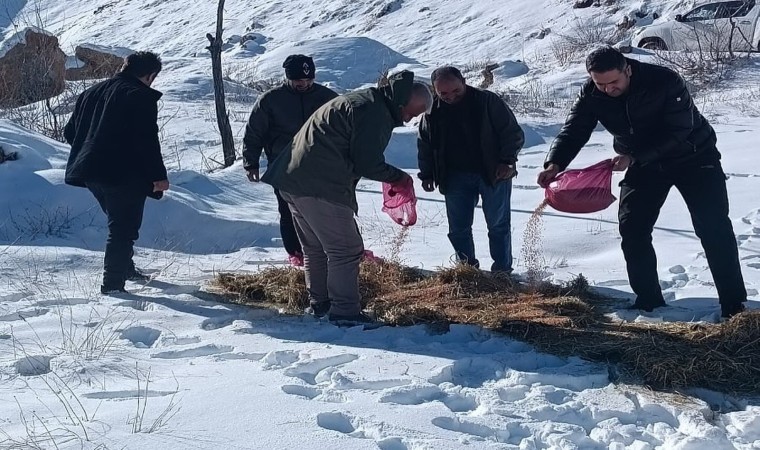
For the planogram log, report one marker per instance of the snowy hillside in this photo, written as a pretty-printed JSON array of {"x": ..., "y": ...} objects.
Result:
[{"x": 168, "y": 367}]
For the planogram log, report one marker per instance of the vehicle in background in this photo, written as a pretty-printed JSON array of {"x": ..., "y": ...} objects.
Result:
[{"x": 716, "y": 26}]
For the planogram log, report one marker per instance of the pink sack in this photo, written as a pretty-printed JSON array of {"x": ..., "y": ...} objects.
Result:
[
  {"x": 400, "y": 203},
  {"x": 583, "y": 190}
]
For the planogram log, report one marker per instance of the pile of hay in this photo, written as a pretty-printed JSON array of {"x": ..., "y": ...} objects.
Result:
[
  {"x": 467, "y": 295},
  {"x": 723, "y": 357},
  {"x": 563, "y": 320},
  {"x": 273, "y": 286},
  {"x": 285, "y": 287}
]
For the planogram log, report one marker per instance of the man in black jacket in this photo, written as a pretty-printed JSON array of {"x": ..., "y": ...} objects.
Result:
[
  {"x": 116, "y": 154},
  {"x": 468, "y": 147},
  {"x": 276, "y": 118},
  {"x": 663, "y": 141}
]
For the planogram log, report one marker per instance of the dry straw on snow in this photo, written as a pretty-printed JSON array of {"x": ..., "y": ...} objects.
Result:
[{"x": 564, "y": 320}]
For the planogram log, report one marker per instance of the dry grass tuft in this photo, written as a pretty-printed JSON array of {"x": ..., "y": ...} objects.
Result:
[{"x": 281, "y": 286}]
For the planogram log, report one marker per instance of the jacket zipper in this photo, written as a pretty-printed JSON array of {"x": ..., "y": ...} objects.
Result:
[{"x": 628, "y": 115}]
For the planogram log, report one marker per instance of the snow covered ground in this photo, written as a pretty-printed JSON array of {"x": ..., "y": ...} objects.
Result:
[{"x": 168, "y": 367}]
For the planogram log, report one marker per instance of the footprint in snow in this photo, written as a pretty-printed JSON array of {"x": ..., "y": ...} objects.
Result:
[
  {"x": 24, "y": 314},
  {"x": 139, "y": 305},
  {"x": 280, "y": 359},
  {"x": 309, "y": 370},
  {"x": 340, "y": 381},
  {"x": 31, "y": 366},
  {"x": 240, "y": 356},
  {"x": 126, "y": 395},
  {"x": 141, "y": 337},
  {"x": 422, "y": 394},
  {"x": 482, "y": 432},
  {"x": 15, "y": 297},
  {"x": 216, "y": 323},
  {"x": 171, "y": 341},
  {"x": 313, "y": 393},
  {"x": 386, "y": 436},
  {"x": 206, "y": 350},
  {"x": 413, "y": 395}
]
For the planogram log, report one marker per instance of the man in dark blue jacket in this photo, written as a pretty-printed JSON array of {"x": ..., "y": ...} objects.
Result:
[
  {"x": 662, "y": 140},
  {"x": 116, "y": 154}
]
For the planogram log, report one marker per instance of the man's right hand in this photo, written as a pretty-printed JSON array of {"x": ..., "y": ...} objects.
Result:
[
  {"x": 548, "y": 175},
  {"x": 428, "y": 185},
  {"x": 253, "y": 175},
  {"x": 161, "y": 186}
]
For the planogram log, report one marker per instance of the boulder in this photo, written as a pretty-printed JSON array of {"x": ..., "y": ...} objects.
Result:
[
  {"x": 94, "y": 62},
  {"x": 32, "y": 67}
]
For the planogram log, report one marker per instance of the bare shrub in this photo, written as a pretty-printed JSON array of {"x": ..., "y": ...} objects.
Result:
[
  {"x": 48, "y": 117},
  {"x": 704, "y": 67},
  {"x": 582, "y": 36},
  {"x": 248, "y": 75},
  {"x": 41, "y": 222},
  {"x": 749, "y": 102},
  {"x": 534, "y": 97}
]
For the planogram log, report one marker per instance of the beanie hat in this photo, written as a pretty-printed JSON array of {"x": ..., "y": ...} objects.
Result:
[{"x": 298, "y": 67}]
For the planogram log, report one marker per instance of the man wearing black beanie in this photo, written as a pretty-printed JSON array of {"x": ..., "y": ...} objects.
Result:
[{"x": 277, "y": 116}]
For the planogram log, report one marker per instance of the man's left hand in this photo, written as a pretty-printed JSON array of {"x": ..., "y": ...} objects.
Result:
[
  {"x": 621, "y": 162},
  {"x": 161, "y": 186},
  {"x": 505, "y": 171},
  {"x": 404, "y": 181}
]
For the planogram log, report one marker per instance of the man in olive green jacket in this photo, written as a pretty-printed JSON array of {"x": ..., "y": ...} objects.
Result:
[{"x": 342, "y": 142}]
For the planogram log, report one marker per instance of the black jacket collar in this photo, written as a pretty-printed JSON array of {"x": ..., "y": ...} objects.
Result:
[{"x": 136, "y": 82}]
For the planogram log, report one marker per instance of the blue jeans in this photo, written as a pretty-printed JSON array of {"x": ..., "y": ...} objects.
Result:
[{"x": 462, "y": 192}]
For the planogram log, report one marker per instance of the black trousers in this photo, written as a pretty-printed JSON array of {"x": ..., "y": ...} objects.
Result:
[
  {"x": 123, "y": 206},
  {"x": 287, "y": 228},
  {"x": 703, "y": 187}
]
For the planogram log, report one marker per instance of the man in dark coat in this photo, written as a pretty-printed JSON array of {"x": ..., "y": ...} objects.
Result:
[
  {"x": 317, "y": 175},
  {"x": 276, "y": 118},
  {"x": 662, "y": 141},
  {"x": 468, "y": 147},
  {"x": 116, "y": 154}
]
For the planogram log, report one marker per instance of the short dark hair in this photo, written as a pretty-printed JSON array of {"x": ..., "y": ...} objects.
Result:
[
  {"x": 140, "y": 64},
  {"x": 604, "y": 59},
  {"x": 446, "y": 73}
]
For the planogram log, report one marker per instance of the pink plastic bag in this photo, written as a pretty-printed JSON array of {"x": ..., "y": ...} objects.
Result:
[
  {"x": 582, "y": 190},
  {"x": 400, "y": 203}
]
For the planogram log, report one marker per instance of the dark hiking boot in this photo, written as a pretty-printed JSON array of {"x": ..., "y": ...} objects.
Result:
[
  {"x": 351, "y": 320},
  {"x": 318, "y": 310},
  {"x": 136, "y": 275},
  {"x": 110, "y": 290},
  {"x": 729, "y": 311},
  {"x": 646, "y": 306}
]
